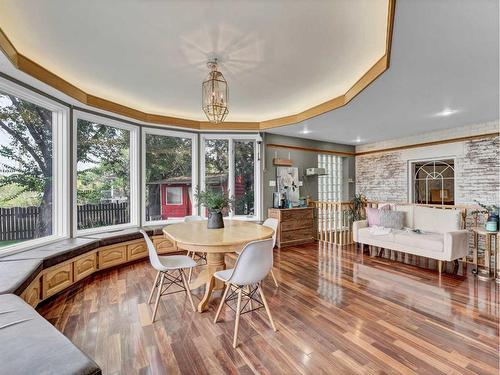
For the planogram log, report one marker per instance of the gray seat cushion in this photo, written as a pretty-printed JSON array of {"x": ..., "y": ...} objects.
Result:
[{"x": 35, "y": 346}]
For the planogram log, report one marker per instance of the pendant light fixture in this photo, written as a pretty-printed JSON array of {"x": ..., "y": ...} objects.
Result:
[{"x": 214, "y": 94}]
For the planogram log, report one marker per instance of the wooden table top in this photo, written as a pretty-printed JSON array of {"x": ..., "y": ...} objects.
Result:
[
  {"x": 235, "y": 232},
  {"x": 483, "y": 231}
]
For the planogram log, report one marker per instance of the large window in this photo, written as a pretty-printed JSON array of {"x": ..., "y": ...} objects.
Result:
[
  {"x": 106, "y": 173},
  {"x": 230, "y": 164},
  {"x": 32, "y": 172},
  {"x": 433, "y": 181},
  {"x": 169, "y": 174},
  {"x": 330, "y": 184}
]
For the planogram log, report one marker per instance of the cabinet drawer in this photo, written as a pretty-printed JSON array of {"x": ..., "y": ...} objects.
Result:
[
  {"x": 112, "y": 256},
  {"x": 295, "y": 235},
  {"x": 296, "y": 224},
  {"x": 57, "y": 279},
  {"x": 84, "y": 266},
  {"x": 163, "y": 245},
  {"x": 296, "y": 215},
  {"x": 137, "y": 250},
  {"x": 31, "y": 294}
]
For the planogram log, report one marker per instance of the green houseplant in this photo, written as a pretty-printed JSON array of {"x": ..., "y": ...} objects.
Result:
[
  {"x": 357, "y": 210},
  {"x": 216, "y": 203}
]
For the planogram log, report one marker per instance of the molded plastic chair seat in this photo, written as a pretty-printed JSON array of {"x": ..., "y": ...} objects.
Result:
[
  {"x": 173, "y": 262},
  {"x": 224, "y": 275}
]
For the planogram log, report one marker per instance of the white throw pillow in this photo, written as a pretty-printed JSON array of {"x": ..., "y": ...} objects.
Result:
[{"x": 436, "y": 220}]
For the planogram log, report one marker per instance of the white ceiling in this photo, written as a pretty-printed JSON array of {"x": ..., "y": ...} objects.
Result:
[
  {"x": 445, "y": 56},
  {"x": 280, "y": 57}
]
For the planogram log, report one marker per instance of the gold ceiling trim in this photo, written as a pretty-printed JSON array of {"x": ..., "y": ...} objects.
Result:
[{"x": 30, "y": 67}]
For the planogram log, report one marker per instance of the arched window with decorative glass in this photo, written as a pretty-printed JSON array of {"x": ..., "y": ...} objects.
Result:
[{"x": 433, "y": 182}]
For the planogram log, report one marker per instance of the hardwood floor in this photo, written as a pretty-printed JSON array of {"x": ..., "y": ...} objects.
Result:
[{"x": 337, "y": 311}]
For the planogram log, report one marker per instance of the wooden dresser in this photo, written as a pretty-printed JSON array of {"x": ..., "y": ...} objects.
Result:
[{"x": 295, "y": 225}]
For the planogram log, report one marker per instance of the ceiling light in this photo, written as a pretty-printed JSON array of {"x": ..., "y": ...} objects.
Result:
[
  {"x": 214, "y": 95},
  {"x": 358, "y": 140},
  {"x": 446, "y": 112},
  {"x": 305, "y": 131}
]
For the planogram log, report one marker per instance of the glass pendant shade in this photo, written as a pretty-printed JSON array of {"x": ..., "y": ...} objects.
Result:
[{"x": 214, "y": 93}]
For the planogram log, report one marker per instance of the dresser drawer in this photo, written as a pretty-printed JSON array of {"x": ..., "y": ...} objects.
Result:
[
  {"x": 137, "y": 250},
  {"x": 296, "y": 215},
  {"x": 84, "y": 266},
  {"x": 296, "y": 224},
  {"x": 295, "y": 235},
  {"x": 112, "y": 256},
  {"x": 57, "y": 279}
]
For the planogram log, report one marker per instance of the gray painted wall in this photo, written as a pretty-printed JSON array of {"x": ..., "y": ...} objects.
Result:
[{"x": 302, "y": 160}]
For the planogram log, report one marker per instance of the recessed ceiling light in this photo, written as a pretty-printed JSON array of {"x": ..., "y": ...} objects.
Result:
[
  {"x": 446, "y": 112},
  {"x": 357, "y": 140},
  {"x": 305, "y": 131}
]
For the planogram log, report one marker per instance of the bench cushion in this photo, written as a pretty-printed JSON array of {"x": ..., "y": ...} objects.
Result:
[
  {"x": 35, "y": 346},
  {"x": 16, "y": 275}
]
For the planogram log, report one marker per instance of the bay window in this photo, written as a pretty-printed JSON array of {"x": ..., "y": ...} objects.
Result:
[
  {"x": 169, "y": 175},
  {"x": 106, "y": 173}
]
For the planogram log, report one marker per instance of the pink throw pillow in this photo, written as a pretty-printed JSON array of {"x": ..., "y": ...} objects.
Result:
[{"x": 373, "y": 215}]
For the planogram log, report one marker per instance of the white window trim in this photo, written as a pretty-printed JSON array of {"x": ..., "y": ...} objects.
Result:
[
  {"x": 194, "y": 171},
  {"x": 257, "y": 170},
  {"x": 60, "y": 166},
  {"x": 410, "y": 181},
  {"x": 134, "y": 171}
]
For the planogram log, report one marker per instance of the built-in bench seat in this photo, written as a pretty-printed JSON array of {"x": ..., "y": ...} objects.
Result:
[
  {"x": 31, "y": 345},
  {"x": 43, "y": 271},
  {"x": 35, "y": 346}
]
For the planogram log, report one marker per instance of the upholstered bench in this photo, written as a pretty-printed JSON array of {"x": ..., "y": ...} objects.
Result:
[{"x": 31, "y": 345}]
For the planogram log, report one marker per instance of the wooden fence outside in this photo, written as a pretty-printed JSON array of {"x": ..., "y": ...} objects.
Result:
[{"x": 20, "y": 223}]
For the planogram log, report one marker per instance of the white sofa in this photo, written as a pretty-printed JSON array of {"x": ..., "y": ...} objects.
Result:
[{"x": 442, "y": 238}]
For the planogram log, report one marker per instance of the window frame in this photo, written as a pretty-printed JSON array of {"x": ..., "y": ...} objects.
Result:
[
  {"x": 194, "y": 170},
  {"x": 60, "y": 166},
  {"x": 231, "y": 170},
  {"x": 134, "y": 170},
  {"x": 411, "y": 181}
]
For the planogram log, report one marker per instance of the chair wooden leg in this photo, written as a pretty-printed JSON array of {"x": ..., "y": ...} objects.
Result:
[
  {"x": 267, "y": 308},
  {"x": 237, "y": 322},
  {"x": 228, "y": 286},
  {"x": 188, "y": 291},
  {"x": 274, "y": 279},
  {"x": 154, "y": 287},
  {"x": 158, "y": 297},
  {"x": 190, "y": 274}
]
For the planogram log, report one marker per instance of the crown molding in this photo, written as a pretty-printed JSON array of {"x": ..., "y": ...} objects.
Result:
[{"x": 37, "y": 71}]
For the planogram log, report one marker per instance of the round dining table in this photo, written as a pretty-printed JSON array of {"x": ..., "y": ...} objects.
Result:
[{"x": 195, "y": 236}]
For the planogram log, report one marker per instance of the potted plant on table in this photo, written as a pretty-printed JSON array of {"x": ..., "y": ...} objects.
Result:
[
  {"x": 493, "y": 212},
  {"x": 216, "y": 203}
]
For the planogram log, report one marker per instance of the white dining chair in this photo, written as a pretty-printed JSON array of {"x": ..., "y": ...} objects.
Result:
[
  {"x": 165, "y": 278},
  {"x": 244, "y": 280},
  {"x": 273, "y": 224},
  {"x": 200, "y": 255}
]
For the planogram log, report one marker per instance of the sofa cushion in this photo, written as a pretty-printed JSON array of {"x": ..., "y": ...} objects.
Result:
[
  {"x": 392, "y": 219},
  {"x": 34, "y": 346},
  {"x": 428, "y": 241},
  {"x": 436, "y": 220},
  {"x": 373, "y": 214},
  {"x": 408, "y": 214}
]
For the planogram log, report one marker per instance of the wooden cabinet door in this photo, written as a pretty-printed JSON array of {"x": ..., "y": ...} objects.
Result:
[
  {"x": 85, "y": 266},
  {"x": 137, "y": 250},
  {"x": 112, "y": 256},
  {"x": 56, "y": 279},
  {"x": 32, "y": 293},
  {"x": 163, "y": 245}
]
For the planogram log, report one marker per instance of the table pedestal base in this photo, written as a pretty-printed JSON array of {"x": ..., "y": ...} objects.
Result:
[{"x": 215, "y": 262}]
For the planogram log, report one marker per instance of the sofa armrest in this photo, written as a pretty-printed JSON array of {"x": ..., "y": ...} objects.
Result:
[
  {"x": 455, "y": 244},
  {"x": 357, "y": 225}
]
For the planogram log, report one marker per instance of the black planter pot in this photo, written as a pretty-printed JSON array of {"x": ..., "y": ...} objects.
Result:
[{"x": 215, "y": 220}]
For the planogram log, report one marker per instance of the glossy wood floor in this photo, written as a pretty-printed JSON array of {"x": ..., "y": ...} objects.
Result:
[{"x": 337, "y": 312}]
